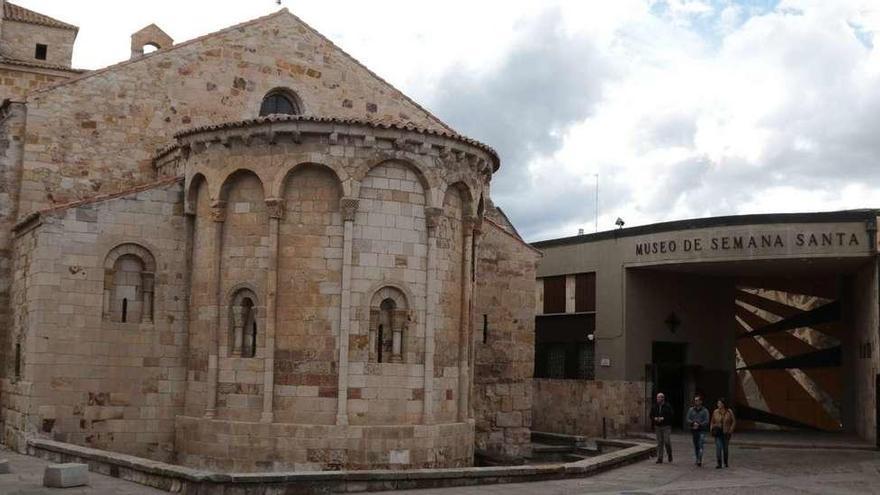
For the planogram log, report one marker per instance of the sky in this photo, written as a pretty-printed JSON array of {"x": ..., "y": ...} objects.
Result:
[{"x": 682, "y": 108}]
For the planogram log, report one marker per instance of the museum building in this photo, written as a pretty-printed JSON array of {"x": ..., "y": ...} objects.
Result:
[{"x": 778, "y": 313}]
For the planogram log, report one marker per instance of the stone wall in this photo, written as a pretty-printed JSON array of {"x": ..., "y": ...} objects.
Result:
[
  {"x": 19, "y": 40},
  {"x": 504, "y": 326},
  {"x": 12, "y": 119},
  {"x": 263, "y": 447},
  {"x": 335, "y": 187},
  {"x": 861, "y": 353},
  {"x": 309, "y": 282},
  {"x": 577, "y": 407},
  {"x": 85, "y": 376},
  {"x": 98, "y": 133},
  {"x": 17, "y": 81}
]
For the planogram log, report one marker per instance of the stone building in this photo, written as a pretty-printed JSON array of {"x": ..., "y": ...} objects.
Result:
[
  {"x": 248, "y": 252},
  {"x": 35, "y": 50}
]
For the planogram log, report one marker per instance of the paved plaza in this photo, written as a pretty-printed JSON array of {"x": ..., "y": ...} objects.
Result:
[
  {"x": 754, "y": 470},
  {"x": 758, "y": 471},
  {"x": 26, "y": 478}
]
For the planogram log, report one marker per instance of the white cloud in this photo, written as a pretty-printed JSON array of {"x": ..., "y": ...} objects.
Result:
[{"x": 684, "y": 107}]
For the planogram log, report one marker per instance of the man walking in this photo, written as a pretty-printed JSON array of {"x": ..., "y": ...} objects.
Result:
[
  {"x": 661, "y": 416},
  {"x": 698, "y": 420}
]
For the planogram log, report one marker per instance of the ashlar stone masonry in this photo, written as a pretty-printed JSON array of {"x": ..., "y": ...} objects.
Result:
[{"x": 247, "y": 252}]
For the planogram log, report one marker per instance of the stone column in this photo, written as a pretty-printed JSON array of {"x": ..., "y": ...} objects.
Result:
[
  {"x": 476, "y": 227},
  {"x": 237, "y": 330},
  {"x": 275, "y": 208},
  {"x": 147, "y": 311},
  {"x": 349, "y": 208},
  {"x": 432, "y": 220},
  {"x": 218, "y": 216},
  {"x": 464, "y": 320},
  {"x": 109, "y": 280}
]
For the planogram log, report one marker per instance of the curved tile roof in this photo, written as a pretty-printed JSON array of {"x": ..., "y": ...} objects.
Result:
[
  {"x": 337, "y": 120},
  {"x": 12, "y": 12}
]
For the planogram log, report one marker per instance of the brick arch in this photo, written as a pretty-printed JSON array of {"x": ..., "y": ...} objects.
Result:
[
  {"x": 279, "y": 184},
  {"x": 375, "y": 289},
  {"x": 393, "y": 292},
  {"x": 466, "y": 190},
  {"x": 134, "y": 249},
  {"x": 192, "y": 191},
  {"x": 151, "y": 35},
  {"x": 430, "y": 185},
  {"x": 291, "y": 95},
  {"x": 229, "y": 174},
  {"x": 237, "y": 291}
]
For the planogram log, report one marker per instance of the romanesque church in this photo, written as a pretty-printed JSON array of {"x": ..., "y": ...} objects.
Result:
[{"x": 249, "y": 252}]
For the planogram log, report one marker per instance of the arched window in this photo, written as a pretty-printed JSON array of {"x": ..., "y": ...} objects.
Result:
[
  {"x": 129, "y": 272},
  {"x": 389, "y": 319},
  {"x": 243, "y": 323},
  {"x": 280, "y": 102}
]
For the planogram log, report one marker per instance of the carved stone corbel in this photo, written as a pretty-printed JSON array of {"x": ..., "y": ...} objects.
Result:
[
  {"x": 218, "y": 211},
  {"x": 473, "y": 224},
  {"x": 275, "y": 207},
  {"x": 432, "y": 217},
  {"x": 349, "y": 207}
]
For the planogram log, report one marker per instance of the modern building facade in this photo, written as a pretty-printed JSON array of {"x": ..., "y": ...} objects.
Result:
[{"x": 777, "y": 313}]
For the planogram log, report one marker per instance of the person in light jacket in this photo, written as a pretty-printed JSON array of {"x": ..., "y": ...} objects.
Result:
[
  {"x": 722, "y": 426},
  {"x": 698, "y": 421}
]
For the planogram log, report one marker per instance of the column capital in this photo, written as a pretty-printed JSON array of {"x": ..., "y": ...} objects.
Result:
[
  {"x": 432, "y": 217},
  {"x": 275, "y": 207},
  {"x": 218, "y": 211},
  {"x": 148, "y": 279},
  {"x": 349, "y": 207},
  {"x": 473, "y": 224}
]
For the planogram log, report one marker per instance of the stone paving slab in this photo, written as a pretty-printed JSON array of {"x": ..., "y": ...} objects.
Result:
[
  {"x": 26, "y": 478},
  {"x": 758, "y": 471}
]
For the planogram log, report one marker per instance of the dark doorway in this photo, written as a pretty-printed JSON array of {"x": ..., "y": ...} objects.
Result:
[
  {"x": 668, "y": 362},
  {"x": 877, "y": 409}
]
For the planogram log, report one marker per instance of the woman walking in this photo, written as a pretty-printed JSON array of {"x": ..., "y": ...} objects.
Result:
[{"x": 722, "y": 425}]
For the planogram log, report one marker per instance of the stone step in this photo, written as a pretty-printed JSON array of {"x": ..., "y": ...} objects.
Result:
[{"x": 66, "y": 475}]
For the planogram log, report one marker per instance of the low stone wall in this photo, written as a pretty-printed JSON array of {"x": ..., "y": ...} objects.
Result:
[
  {"x": 265, "y": 447},
  {"x": 188, "y": 481},
  {"x": 576, "y": 407}
]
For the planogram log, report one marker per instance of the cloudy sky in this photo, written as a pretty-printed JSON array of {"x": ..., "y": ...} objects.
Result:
[{"x": 684, "y": 108}]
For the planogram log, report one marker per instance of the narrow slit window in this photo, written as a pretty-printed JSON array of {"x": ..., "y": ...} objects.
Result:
[
  {"x": 485, "y": 329},
  {"x": 379, "y": 344},
  {"x": 18, "y": 360},
  {"x": 124, "y": 310},
  {"x": 41, "y": 52},
  {"x": 253, "y": 340}
]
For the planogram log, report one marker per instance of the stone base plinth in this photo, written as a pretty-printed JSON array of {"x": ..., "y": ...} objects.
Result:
[{"x": 234, "y": 446}]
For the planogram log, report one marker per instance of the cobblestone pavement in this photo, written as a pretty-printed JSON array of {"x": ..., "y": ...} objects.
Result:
[
  {"x": 758, "y": 471},
  {"x": 26, "y": 478}
]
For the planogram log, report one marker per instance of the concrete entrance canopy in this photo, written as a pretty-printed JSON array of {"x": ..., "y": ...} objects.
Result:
[{"x": 778, "y": 313}]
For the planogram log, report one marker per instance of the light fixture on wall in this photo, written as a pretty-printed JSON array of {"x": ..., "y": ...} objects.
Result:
[{"x": 672, "y": 322}]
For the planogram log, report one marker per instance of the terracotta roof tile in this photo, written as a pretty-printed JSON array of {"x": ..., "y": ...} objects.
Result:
[
  {"x": 336, "y": 120},
  {"x": 104, "y": 197},
  {"x": 12, "y": 12},
  {"x": 39, "y": 64}
]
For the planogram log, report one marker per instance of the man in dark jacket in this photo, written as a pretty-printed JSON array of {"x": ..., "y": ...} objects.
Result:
[{"x": 661, "y": 416}]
